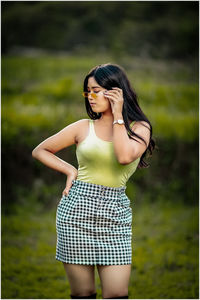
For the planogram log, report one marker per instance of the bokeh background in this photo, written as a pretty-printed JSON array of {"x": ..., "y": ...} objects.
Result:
[{"x": 47, "y": 49}]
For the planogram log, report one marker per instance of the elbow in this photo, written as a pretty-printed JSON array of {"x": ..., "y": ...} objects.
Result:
[
  {"x": 34, "y": 153},
  {"x": 124, "y": 160}
]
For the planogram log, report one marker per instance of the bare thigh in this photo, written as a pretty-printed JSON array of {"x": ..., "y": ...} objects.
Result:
[
  {"x": 81, "y": 279},
  {"x": 114, "y": 280}
]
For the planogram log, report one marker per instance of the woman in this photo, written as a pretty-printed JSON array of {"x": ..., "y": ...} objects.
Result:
[{"x": 94, "y": 216}]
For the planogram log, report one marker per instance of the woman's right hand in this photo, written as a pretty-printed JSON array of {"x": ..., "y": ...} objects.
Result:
[{"x": 72, "y": 176}]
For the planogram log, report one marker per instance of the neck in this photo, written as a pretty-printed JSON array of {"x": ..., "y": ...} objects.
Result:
[{"x": 107, "y": 118}]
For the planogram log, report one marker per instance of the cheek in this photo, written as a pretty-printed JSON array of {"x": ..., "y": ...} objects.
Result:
[
  {"x": 103, "y": 102},
  {"x": 106, "y": 102}
]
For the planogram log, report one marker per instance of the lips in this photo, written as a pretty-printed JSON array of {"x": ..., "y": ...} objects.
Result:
[{"x": 92, "y": 103}]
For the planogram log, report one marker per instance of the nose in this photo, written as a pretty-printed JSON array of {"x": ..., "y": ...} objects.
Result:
[{"x": 89, "y": 96}]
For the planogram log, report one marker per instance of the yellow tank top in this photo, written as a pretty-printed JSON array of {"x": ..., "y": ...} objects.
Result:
[{"x": 98, "y": 164}]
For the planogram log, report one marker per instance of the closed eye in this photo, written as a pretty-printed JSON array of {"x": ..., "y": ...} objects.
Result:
[{"x": 94, "y": 92}]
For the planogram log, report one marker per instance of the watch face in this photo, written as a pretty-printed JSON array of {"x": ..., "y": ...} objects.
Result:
[{"x": 120, "y": 121}]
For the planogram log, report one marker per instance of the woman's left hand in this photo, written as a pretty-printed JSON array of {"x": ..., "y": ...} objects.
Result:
[{"x": 116, "y": 99}]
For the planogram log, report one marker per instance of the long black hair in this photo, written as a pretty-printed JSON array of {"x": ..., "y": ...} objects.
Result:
[{"x": 112, "y": 75}]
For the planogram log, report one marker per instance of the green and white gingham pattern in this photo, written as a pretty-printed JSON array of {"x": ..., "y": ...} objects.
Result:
[{"x": 94, "y": 225}]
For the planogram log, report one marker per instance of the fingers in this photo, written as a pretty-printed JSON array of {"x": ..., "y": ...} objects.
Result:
[
  {"x": 114, "y": 89},
  {"x": 111, "y": 97},
  {"x": 113, "y": 93},
  {"x": 118, "y": 90},
  {"x": 65, "y": 192},
  {"x": 67, "y": 188}
]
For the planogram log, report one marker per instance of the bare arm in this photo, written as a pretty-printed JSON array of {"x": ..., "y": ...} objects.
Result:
[
  {"x": 126, "y": 149},
  {"x": 45, "y": 152}
]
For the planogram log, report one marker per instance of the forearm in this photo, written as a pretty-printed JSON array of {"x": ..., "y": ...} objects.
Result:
[
  {"x": 52, "y": 161},
  {"x": 121, "y": 142}
]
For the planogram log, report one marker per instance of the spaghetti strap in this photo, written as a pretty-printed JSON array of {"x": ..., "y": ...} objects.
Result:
[{"x": 92, "y": 132}]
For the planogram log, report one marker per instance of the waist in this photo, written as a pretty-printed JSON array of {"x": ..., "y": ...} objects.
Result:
[
  {"x": 92, "y": 189},
  {"x": 101, "y": 176}
]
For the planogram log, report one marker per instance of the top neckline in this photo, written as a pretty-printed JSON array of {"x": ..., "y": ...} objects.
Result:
[
  {"x": 93, "y": 129},
  {"x": 92, "y": 124}
]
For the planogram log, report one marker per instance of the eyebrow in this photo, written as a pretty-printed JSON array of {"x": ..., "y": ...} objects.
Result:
[{"x": 93, "y": 87}]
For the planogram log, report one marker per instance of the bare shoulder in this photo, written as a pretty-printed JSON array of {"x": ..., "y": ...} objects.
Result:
[
  {"x": 71, "y": 131},
  {"x": 81, "y": 127},
  {"x": 141, "y": 124},
  {"x": 78, "y": 125},
  {"x": 82, "y": 122},
  {"x": 142, "y": 128}
]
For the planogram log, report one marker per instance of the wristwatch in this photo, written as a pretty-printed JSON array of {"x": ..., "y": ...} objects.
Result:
[{"x": 120, "y": 122}]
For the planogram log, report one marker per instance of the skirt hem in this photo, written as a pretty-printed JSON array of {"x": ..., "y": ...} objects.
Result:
[{"x": 94, "y": 264}]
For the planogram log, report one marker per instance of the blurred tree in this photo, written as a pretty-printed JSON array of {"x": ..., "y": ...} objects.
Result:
[{"x": 155, "y": 29}]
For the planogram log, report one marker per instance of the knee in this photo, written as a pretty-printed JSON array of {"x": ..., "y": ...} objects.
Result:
[{"x": 123, "y": 293}]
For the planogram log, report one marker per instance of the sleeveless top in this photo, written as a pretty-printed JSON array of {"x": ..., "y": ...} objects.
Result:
[{"x": 98, "y": 164}]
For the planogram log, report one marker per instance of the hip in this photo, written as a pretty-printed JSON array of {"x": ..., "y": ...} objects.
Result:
[{"x": 96, "y": 202}]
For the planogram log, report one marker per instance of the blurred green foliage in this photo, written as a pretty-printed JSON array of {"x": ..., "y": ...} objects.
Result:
[
  {"x": 41, "y": 95},
  {"x": 48, "y": 48},
  {"x": 147, "y": 29}
]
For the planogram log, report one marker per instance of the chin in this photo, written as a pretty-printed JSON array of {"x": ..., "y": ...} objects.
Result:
[{"x": 96, "y": 110}]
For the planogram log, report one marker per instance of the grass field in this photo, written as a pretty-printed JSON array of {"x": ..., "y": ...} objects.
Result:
[
  {"x": 41, "y": 95},
  {"x": 165, "y": 254}
]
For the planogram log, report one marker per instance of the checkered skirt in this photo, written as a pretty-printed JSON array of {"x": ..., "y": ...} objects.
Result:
[{"x": 94, "y": 225}]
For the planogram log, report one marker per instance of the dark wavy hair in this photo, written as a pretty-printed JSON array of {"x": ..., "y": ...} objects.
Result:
[{"x": 112, "y": 75}]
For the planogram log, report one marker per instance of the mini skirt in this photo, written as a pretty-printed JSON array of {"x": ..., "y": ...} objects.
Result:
[{"x": 94, "y": 225}]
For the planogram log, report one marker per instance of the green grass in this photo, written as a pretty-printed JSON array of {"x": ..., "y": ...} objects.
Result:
[
  {"x": 165, "y": 254},
  {"x": 41, "y": 95}
]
